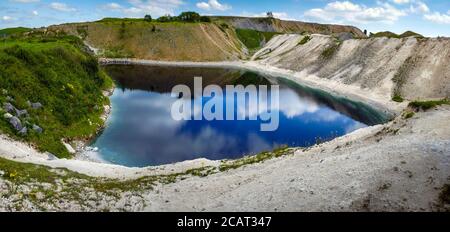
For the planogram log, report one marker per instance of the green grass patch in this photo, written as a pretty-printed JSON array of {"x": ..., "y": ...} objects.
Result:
[
  {"x": 330, "y": 51},
  {"x": 411, "y": 34},
  {"x": 253, "y": 39},
  {"x": 250, "y": 38},
  {"x": 305, "y": 40},
  {"x": 389, "y": 34},
  {"x": 397, "y": 98},
  {"x": 56, "y": 72},
  {"x": 261, "y": 157},
  {"x": 14, "y": 30},
  {"x": 408, "y": 115},
  {"x": 426, "y": 105}
]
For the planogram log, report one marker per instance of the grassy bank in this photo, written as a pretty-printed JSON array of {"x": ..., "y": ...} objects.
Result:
[
  {"x": 254, "y": 39},
  {"x": 56, "y": 72}
]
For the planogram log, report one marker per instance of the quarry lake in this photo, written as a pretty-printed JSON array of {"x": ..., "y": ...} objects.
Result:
[{"x": 141, "y": 131}]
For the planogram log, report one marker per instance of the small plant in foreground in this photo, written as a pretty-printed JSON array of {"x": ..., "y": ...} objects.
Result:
[{"x": 397, "y": 98}]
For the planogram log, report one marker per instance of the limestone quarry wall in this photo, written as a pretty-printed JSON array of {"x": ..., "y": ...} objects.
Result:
[{"x": 410, "y": 67}]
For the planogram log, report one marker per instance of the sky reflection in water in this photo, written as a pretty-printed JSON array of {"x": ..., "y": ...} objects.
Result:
[{"x": 141, "y": 132}]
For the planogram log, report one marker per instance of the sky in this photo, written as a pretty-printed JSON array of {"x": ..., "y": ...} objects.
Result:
[{"x": 428, "y": 17}]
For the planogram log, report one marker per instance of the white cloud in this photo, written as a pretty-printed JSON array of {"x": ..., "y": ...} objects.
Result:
[
  {"x": 401, "y": 1},
  {"x": 113, "y": 6},
  {"x": 140, "y": 7},
  {"x": 213, "y": 5},
  {"x": 419, "y": 7},
  {"x": 348, "y": 12},
  {"x": 35, "y": 13},
  {"x": 438, "y": 17},
  {"x": 61, "y": 7},
  {"x": 6, "y": 18}
]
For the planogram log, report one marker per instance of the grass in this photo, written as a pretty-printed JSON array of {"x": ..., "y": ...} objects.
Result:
[
  {"x": 411, "y": 34},
  {"x": 253, "y": 39},
  {"x": 261, "y": 157},
  {"x": 426, "y": 105},
  {"x": 389, "y": 34},
  {"x": 305, "y": 40},
  {"x": 13, "y": 30},
  {"x": 397, "y": 98},
  {"x": 56, "y": 72},
  {"x": 409, "y": 115},
  {"x": 330, "y": 51},
  {"x": 250, "y": 38}
]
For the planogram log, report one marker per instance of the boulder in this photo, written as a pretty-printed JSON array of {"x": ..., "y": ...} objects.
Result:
[
  {"x": 16, "y": 123},
  {"x": 7, "y": 116},
  {"x": 24, "y": 131},
  {"x": 36, "y": 105},
  {"x": 8, "y": 107},
  {"x": 20, "y": 113},
  {"x": 37, "y": 128}
]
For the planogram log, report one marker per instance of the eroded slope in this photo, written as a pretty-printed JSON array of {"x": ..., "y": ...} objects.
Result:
[{"x": 410, "y": 67}]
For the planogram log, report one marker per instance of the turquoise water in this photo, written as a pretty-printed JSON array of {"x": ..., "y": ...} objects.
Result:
[{"x": 141, "y": 132}]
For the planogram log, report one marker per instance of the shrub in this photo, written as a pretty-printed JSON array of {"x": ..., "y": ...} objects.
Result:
[
  {"x": 426, "y": 105},
  {"x": 189, "y": 16},
  {"x": 329, "y": 51},
  {"x": 305, "y": 40},
  {"x": 397, "y": 98},
  {"x": 205, "y": 19},
  {"x": 148, "y": 18},
  {"x": 408, "y": 115}
]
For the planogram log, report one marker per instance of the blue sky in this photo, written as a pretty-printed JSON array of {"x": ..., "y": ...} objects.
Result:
[{"x": 429, "y": 17}]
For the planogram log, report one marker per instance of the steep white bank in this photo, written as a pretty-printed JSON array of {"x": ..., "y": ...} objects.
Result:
[{"x": 413, "y": 68}]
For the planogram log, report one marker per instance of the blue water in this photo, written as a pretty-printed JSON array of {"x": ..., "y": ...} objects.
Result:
[{"x": 141, "y": 132}]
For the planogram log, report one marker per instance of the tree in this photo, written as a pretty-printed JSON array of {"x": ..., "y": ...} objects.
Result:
[
  {"x": 365, "y": 32},
  {"x": 269, "y": 15},
  {"x": 165, "y": 18},
  {"x": 148, "y": 18},
  {"x": 205, "y": 19},
  {"x": 189, "y": 16}
]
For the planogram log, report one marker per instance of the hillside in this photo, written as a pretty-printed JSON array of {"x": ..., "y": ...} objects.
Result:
[
  {"x": 409, "y": 68},
  {"x": 50, "y": 89},
  {"x": 169, "y": 41},
  {"x": 225, "y": 38},
  {"x": 283, "y": 26}
]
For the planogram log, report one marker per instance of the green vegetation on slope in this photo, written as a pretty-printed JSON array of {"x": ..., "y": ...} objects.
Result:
[
  {"x": 253, "y": 39},
  {"x": 14, "y": 30},
  {"x": 426, "y": 105},
  {"x": 304, "y": 40},
  {"x": 137, "y": 38},
  {"x": 389, "y": 34},
  {"x": 330, "y": 50},
  {"x": 411, "y": 33},
  {"x": 66, "y": 81}
]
